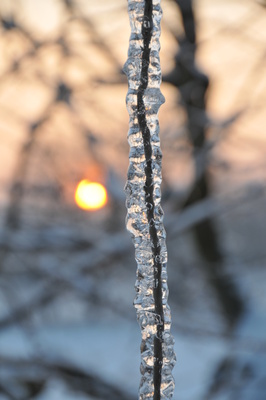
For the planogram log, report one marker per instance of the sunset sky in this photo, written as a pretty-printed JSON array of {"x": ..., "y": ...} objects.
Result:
[{"x": 92, "y": 130}]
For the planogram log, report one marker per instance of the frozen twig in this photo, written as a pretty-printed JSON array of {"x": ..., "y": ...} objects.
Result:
[{"x": 144, "y": 219}]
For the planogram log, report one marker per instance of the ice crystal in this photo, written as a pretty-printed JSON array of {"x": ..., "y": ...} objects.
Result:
[{"x": 145, "y": 215}]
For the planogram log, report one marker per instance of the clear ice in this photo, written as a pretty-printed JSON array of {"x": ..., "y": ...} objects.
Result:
[{"x": 145, "y": 215}]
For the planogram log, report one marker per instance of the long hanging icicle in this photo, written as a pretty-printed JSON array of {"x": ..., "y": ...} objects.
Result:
[{"x": 145, "y": 215}]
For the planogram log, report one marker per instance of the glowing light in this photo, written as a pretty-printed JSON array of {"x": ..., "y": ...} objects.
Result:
[{"x": 90, "y": 195}]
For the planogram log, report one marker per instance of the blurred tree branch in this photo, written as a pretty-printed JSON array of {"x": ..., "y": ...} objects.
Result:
[
  {"x": 192, "y": 85},
  {"x": 36, "y": 370}
]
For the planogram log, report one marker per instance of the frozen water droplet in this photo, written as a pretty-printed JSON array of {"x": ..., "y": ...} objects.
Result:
[
  {"x": 149, "y": 206},
  {"x": 158, "y": 259},
  {"x": 146, "y": 23}
]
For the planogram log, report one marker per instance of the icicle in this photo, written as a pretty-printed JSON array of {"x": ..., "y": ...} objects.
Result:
[{"x": 145, "y": 215}]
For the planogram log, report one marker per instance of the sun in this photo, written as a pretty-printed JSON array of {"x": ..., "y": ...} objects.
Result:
[{"x": 90, "y": 195}]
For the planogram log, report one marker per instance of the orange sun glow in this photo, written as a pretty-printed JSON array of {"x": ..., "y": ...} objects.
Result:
[{"x": 90, "y": 195}]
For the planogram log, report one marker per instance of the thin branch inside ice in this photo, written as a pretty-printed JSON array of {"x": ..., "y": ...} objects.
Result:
[{"x": 145, "y": 216}]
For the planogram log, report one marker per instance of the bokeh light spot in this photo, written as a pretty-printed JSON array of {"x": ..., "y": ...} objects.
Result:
[{"x": 90, "y": 195}]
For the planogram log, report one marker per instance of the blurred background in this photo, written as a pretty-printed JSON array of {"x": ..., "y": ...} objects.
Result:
[{"x": 67, "y": 271}]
